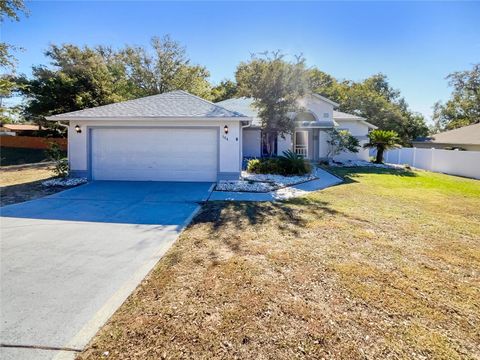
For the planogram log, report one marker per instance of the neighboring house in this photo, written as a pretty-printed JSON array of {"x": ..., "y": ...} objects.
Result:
[
  {"x": 173, "y": 136},
  {"x": 19, "y": 129},
  {"x": 310, "y": 136},
  {"x": 464, "y": 138},
  {"x": 177, "y": 136}
]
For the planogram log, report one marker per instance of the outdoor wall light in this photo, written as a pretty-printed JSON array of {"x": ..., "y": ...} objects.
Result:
[
  {"x": 77, "y": 129},
  {"x": 225, "y": 129}
]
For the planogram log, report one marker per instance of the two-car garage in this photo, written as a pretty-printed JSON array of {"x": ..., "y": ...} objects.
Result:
[
  {"x": 154, "y": 154},
  {"x": 172, "y": 136}
]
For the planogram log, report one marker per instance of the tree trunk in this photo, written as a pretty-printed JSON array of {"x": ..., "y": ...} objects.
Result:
[
  {"x": 270, "y": 143},
  {"x": 379, "y": 158}
]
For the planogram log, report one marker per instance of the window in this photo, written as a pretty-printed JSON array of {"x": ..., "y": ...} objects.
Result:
[{"x": 301, "y": 143}]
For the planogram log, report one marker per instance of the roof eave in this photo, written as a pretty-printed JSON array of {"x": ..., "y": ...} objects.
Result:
[
  {"x": 326, "y": 99},
  {"x": 369, "y": 124},
  {"x": 155, "y": 118},
  {"x": 443, "y": 143}
]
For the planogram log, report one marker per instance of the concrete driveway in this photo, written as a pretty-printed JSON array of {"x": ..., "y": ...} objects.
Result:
[{"x": 69, "y": 260}]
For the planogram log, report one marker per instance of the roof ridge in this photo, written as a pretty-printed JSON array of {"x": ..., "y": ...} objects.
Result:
[
  {"x": 212, "y": 103},
  {"x": 115, "y": 103}
]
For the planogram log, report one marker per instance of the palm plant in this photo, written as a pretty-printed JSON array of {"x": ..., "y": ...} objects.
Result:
[
  {"x": 292, "y": 164},
  {"x": 382, "y": 140}
]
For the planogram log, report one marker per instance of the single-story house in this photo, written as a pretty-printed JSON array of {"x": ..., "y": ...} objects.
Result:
[
  {"x": 173, "y": 136},
  {"x": 19, "y": 129},
  {"x": 464, "y": 138},
  {"x": 310, "y": 137},
  {"x": 177, "y": 136}
]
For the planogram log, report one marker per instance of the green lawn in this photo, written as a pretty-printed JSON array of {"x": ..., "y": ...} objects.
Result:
[{"x": 386, "y": 265}]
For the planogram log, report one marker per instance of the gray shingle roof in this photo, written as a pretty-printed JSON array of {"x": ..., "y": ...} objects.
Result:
[
  {"x": 175, "y": 104},
  {"x": 242, "y": 105},
  {"x": 245, "y": 106},
  {"x": 344, "y": 116},
  {"x": 467, "y": 135}
]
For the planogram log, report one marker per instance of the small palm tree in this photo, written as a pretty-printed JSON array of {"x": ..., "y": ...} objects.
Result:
[{"x": 382, "y": 140}]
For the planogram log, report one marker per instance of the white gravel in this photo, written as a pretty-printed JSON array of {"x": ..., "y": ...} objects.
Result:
[
  {"x": 278, "y": 180},
  {"x": 64, "y": 182},
  {"x": 242, "y": 185},
  {"x": 358, "y": 163},
  {"x": 261, "y": 182}
]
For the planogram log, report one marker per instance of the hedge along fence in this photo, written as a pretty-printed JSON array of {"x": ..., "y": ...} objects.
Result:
[
  {"x": 454, "y": 162},
  {"x": 31, "y": 142}
]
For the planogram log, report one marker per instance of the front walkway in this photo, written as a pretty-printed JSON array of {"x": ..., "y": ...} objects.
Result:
[{"x": 325, "y": 179}]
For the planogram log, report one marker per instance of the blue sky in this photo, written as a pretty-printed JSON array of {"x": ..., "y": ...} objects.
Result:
[{"x": 416, "y": 44}]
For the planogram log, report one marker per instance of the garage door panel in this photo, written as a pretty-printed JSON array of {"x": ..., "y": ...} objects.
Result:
[{"x": 154, "y": 154}]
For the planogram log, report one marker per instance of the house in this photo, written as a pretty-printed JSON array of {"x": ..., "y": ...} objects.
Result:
[
  {"x": 177, "y": 136},
  {"x": 19, "y": 129},
  {"x": 173, "y": 136},
  {"x": 464, "y": 138},
  {"x": 310, "y": 136}
]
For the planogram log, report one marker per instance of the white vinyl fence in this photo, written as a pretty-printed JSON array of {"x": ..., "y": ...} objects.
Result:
[{"x": 454, "y": 162}]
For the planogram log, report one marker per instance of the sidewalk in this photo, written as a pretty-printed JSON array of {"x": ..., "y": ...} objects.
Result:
[{"x": 325, "y": 179}]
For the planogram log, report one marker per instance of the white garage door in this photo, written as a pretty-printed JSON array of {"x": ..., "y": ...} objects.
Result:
[{"x": 154, "y": 154}]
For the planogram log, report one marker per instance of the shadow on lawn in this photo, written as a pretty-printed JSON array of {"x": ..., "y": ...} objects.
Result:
[
  {"x": 287, "y": 213},
  {"x": 13, "y": 194},
  {"x": 350, "y": 173}
]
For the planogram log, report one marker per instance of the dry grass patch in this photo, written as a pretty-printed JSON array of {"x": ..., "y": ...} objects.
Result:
[
  {"x": 385, "y": 266},
  {"x": 18, "y": 184}
]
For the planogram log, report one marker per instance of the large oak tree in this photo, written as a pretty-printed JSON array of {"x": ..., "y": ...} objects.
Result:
[
  {"x": 82, "y": 77},
  {"x": 463, "y": 107}
]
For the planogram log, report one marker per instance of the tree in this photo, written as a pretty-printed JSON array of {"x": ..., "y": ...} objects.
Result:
[
  {"x": 8, "y": 9},
  {"x": 463, "y": 108},
  {"x": 275, "y": 86},
  {"x": 78, "y": 78},
  {"x": 339, "y": 141},
  {"x": 374, "y": 99},
  {"x": 82, "y": 77},
  {"x": 382, "y": 140},
  {"x": 227, "y": 89},
  {"x": 166, "y": 70}
]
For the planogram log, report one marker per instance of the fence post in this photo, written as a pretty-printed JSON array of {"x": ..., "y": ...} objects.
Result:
[
  {"x": 431, "y": 158},
  {"x": 399, "y": 155},
  {"x": 413, "y": 156}
]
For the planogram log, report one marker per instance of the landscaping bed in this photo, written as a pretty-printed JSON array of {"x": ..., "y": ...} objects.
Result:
[
  {"x": 361, "y": 163},
  {"x": 261, "y": 182}
]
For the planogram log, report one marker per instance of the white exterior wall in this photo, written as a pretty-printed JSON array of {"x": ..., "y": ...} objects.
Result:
[
  {"x": 230, "y": 150},
  {"x": 454, "y": 162},
  {"x": 359, "y": 130},
  {"x": 318, "y": 107},
  {"x": 252, "y": 142},
  {"x": 284, "y": 144}
]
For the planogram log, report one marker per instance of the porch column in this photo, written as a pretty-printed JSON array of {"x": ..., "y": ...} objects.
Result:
[{"x": 316, "y": 144}]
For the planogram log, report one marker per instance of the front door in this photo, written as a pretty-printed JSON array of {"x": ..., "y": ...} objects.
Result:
[{"x": 301, "y": 143}]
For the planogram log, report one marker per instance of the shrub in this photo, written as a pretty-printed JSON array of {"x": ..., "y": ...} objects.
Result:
[
  {"x": 253, "y": 165},
  {"x": 292, "y": 164},
  {"x": 55, "y": 154},
  {"x": 341, "y": 140},
  {"x": 287, "y": 164},
  {"x": 264, "y": 166}
]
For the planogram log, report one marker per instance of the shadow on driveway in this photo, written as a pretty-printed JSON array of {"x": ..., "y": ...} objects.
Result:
[{"x": 143, "y": 203}]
